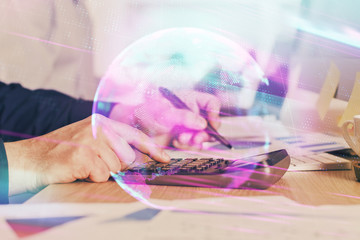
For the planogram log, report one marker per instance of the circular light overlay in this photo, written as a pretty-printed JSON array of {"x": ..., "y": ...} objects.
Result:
[{"x": 162, "y": 92}]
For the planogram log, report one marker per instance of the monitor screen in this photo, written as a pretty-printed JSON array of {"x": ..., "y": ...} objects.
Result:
[{"x": 328, "y": 32}]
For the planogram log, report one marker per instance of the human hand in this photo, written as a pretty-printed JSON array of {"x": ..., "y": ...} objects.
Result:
[
  {"x": 170, "y": 125},
  {"x": 72, "y": 153}
]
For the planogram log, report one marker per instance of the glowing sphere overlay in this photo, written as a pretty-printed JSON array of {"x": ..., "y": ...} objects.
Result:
[{"x": 179, "y": 59}]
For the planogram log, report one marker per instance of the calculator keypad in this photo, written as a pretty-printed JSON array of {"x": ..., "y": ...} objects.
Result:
[{"x": 181, "y": 166}]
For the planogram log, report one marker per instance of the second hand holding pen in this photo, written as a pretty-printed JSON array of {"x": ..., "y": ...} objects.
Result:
[{"x": 176, "y": 102}]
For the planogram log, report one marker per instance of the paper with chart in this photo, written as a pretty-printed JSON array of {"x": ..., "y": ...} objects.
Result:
[
  {"x": 251, "y": 136},
  {"x": 229, "y": 217}
]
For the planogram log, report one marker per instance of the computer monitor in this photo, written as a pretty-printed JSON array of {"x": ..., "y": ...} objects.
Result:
[{"x": 328, "y": 32}]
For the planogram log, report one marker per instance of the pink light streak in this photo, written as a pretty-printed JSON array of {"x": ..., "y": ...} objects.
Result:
[
  {"x": 352, "y": 32},
  {"x": 49, "y": 42},
  {"x": 246, "y": 230},
  {"x": 42, "y": 138},
  {"x": 318, "y": 41},
  {"x": 265, "y": 217},
  {"x": 228, "y": 195},
  {"x": 345, "y": 195},
  {"x": 99, "y": 196}
]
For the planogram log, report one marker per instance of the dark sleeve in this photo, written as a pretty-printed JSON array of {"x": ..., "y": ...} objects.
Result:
[
  {"x": 27, "y": 113},
  {"x": 4, "y": 175}
]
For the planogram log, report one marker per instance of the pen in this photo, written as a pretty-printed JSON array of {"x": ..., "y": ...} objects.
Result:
[{"x": 176, "y": 102}]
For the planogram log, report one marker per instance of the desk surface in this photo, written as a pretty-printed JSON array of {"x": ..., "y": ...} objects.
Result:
[{"x": 310, "y": 188}]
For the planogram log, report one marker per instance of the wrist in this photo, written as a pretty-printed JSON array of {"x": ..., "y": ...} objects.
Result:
[{"x": 22, "y": 177}]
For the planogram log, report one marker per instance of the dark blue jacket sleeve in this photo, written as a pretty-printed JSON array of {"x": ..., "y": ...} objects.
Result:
[{"x": 25, "y": 113}]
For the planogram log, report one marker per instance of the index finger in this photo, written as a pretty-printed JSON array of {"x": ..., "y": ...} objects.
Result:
[
  {"x": 211, "y": 105},
  {"x": 138, "y": 140}
]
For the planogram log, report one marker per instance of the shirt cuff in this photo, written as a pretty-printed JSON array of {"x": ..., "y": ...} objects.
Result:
[{"x": 4, "y": 175}]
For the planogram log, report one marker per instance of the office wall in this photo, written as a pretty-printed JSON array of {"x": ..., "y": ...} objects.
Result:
[
  {"x": 260, "y": 25},
  {"x": 295, "y": 32}
]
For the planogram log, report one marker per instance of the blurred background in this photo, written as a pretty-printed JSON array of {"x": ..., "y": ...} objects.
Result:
[
  {"x": 279, "y": 32},
  {"x": 295, "y": 39},
  {"x": 254, "y": 24}
]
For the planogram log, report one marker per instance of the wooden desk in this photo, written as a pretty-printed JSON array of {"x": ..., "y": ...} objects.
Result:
[{"x": 310, "y": 188}]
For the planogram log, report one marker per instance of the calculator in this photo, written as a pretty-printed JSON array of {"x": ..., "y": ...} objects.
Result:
[{"x": 256, "y": 172}]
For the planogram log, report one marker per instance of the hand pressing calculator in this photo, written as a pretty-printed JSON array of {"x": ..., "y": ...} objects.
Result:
[{"x": 259, "y": 172}]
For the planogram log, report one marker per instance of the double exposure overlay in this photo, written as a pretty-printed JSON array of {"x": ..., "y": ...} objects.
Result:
[{"x": 210, "y": 76}]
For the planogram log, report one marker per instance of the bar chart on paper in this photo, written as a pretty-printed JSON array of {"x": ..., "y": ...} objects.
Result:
[{"x": 315, "y": 151}]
